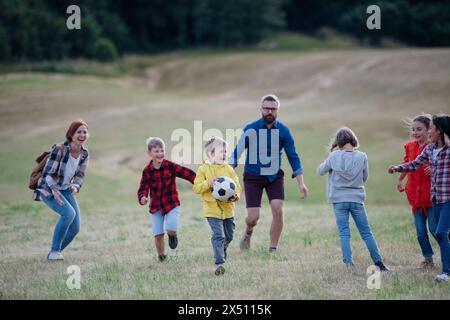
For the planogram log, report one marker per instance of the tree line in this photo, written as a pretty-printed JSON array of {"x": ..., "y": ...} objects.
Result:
[{"x": 36, "y": 30}]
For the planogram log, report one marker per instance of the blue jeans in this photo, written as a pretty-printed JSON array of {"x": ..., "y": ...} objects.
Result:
[
  {"x": 420, "y": 221},
  {"x": 68, "y": 224},
  {"x": 441, "y": 216},
  {"x": 342, "y": 211},
  {"x": 222, "y": 232}
]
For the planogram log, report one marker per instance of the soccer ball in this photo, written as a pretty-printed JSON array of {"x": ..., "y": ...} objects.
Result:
[{"x": 224, "y": 189}]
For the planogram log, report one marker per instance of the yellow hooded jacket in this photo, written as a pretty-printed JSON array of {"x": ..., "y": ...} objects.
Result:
[{"x": 213, "y": 208}]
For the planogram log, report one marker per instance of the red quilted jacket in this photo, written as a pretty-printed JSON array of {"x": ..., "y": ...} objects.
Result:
[{"x": 419, "y": 184}]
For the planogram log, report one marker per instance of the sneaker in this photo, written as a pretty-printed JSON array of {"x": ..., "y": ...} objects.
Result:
[
  {"x": 382, "y": 266},
  {"x": 442, "y": 278},
  {"x": 162, "y": 257},
  {"x": 173, "y": 242},
  {"x": 219, "y": 270},
  {"x": 427, "y": 264},
  {"x": 55, "y": 256},
  {"x": 272, "y": 249},
  {"x": 245, "y": 242}
]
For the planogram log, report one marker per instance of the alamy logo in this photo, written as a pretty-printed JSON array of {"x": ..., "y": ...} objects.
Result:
[
  {"x": 374, "y": 279},
  {"x": 74, "y": 280},
  {"x": 374, "y": 20},
  {"x": 263, "y": 147},
  {"x": 74, "y": 20}
]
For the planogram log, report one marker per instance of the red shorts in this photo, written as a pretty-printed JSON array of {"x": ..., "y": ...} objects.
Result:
[{"x": 254, "y": 185}]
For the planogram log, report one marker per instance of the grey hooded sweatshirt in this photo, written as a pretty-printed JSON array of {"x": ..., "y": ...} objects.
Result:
[{"x": 348, "y": 170}]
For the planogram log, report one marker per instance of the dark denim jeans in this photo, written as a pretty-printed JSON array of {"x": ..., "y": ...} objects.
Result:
[{"x": 441, "y": 216}]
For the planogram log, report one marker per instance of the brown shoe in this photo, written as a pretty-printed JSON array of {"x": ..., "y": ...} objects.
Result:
[
  {"x": 245, "y": 242},
  {"x": 427, "y": 264},
  {"x": 220, "y": 270}
]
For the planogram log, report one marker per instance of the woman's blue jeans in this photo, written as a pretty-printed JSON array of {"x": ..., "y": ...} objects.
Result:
[{"x": 68, "y": 224}]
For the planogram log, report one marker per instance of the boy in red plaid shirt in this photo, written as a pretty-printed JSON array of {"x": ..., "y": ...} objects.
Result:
[{"x": 158, "y": 183}]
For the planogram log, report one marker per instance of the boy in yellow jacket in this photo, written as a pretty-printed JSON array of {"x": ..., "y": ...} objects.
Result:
[{"x": 220, "y": 215}]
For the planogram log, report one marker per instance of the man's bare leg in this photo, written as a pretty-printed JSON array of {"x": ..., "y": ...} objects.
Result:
[
  {"x": 250, "y": 221},
  {"x": 277, "y": 207}
]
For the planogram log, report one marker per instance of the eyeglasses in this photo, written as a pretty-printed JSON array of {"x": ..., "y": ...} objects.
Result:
[{"x": 273, "y": 110}]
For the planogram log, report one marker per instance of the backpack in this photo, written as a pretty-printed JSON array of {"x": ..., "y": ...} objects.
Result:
[{"x": 36, "y": 174}]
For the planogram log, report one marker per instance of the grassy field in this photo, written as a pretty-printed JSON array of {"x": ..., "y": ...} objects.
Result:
[{"x": 371, "y": 91}]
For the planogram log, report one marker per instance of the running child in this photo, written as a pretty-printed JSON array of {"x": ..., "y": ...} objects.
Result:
[
  {"x": 418, "y": 186},
  {"x": 220, "y": 215},
  {"x": 158, "y": 184},
  {"x": 347, "y": 171}
]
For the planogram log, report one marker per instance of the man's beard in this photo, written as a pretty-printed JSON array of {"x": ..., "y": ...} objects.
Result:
[{"x": 269, "y": 119}]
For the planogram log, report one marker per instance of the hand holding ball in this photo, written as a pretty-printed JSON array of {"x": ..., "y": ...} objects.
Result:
[{"x": 224, "y": 189}]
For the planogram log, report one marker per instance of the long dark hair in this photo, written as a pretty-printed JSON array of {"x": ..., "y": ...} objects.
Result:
[{"x": 442, "y": 123}]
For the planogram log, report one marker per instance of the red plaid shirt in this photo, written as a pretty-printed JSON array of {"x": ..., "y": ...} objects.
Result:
[
  {"x": 440, "y": 171},
  {"x": 161, "y": 186}
]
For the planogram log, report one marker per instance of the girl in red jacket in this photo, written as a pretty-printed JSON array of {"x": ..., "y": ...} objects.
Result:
[{"x": 418, "y": 186}]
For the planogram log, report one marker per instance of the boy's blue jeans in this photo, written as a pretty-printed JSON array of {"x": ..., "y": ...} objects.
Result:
[
  {"x": 68, "y": 224},
  {"x": 222, "y": 232},
  {"x": 441, "y": 228},
  {"x": 342, "y": 211},
  {"x": 420, "y": 221}
]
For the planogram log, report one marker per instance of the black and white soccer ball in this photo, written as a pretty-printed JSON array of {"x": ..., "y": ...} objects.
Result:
[{"x": 224, "y": 189}]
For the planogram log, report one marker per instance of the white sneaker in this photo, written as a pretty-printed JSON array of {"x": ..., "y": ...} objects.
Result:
[
  {"x": 54, "y": 256},
  {"x": 442, "y": 278}
]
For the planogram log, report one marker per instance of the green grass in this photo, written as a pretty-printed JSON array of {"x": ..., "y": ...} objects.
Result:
[
  {"x": 307, "y": 265},
  {"x": 320, "y": 91},
  {"x": 134, "y": 65}
]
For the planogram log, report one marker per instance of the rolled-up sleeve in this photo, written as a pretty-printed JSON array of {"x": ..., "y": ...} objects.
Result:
[{"x": 292, "y": 155}]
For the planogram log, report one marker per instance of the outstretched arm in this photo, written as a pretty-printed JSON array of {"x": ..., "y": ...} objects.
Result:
[
  {"x": 238, "y": 150},
  {"x": 184, "y": 173},
  {"x": 201, "y": 184},
  {"x": 413, "y": 165}
]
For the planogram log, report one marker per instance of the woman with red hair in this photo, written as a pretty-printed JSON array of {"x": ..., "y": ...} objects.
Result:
[{"x": 61, "y": 180}]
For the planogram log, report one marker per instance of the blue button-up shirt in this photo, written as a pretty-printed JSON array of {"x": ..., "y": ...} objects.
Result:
[{"x": 265, "y": 148}]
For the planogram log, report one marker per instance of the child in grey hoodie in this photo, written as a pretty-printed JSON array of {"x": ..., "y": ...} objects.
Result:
[{"x": 347, "y": 171}]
